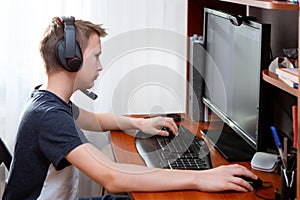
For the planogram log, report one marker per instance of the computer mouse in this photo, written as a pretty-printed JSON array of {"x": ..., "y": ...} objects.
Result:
[
  {"x": 258, "y": 183},
  {"x": 176, "y": 117}
]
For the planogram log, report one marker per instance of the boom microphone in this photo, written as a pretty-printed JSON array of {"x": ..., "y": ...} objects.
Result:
[{"x": 91, "y": 95}]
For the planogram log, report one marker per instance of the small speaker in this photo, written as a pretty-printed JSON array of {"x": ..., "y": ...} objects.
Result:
[{"x": 196, "y": 82}]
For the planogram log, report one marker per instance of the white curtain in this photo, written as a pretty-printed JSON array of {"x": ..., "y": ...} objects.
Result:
[{"x": 143, "y": 56}]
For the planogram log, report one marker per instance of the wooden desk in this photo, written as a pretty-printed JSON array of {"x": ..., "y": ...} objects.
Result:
[{"x": 125, "y": 152}]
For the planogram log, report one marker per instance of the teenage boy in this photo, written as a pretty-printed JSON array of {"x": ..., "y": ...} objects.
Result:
[{"x": 51, "y": 148}]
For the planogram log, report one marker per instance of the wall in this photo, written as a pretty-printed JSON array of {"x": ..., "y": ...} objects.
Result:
[{"x": 284, "y": 28}]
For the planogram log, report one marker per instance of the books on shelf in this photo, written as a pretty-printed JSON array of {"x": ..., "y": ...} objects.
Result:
[
  {"x": 289, "y": 82},
  {"x": 288, "y": 75}
]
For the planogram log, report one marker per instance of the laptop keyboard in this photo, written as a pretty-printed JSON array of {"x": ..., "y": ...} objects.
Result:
[{"x": 184, "y": 151}]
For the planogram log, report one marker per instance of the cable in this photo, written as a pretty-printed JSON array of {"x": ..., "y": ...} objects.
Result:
[{"x": 265, "y": 185}]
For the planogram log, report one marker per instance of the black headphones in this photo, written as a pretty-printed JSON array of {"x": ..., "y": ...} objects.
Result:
[
  {"x": 67, "y": 50},
  {"x": 237, "y": 20}
]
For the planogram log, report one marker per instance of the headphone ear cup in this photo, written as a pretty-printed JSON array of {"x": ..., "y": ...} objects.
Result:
[
  {"x": 60, "y": 53},
  {"x": 76, "y": 62},
  {"x": 69, "y": 64}
]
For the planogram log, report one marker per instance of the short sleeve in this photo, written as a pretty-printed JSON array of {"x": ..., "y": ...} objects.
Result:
[
  {"x": 75, "y": 110},
  {"x": 59, "y": 135}
]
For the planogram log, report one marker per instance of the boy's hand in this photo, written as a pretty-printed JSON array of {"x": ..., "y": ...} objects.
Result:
[{"x": 159, "y": 126}]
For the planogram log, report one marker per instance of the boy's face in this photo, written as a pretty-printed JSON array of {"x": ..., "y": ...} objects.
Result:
[{"x": 91, "y": 65}]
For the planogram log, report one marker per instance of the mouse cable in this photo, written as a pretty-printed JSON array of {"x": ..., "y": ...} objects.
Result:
[{"x": 265, "y": 185}]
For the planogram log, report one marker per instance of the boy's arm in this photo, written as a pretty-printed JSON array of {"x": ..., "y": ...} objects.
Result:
[
  {"x": 108, "y": 121},
  {"x": 125, "y": 177}
]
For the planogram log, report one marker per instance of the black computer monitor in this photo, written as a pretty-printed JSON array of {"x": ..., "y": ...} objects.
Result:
[{"x": 238, "y": 49}]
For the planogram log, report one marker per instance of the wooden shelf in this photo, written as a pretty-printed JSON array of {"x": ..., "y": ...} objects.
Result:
[
  {"x": 267, "y": 4},
  {"x": 273, "y": 79}
]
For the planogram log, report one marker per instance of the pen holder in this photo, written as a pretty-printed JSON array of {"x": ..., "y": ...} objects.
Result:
[{"x": 288, "y": 178}]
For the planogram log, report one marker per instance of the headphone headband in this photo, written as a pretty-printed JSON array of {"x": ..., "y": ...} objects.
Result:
[
  {"x": 70, "y": 36},
  {"x": 68, "y": 51}
]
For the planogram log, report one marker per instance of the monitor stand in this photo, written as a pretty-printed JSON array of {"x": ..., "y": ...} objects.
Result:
[{"x": 232, "y": 146}]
